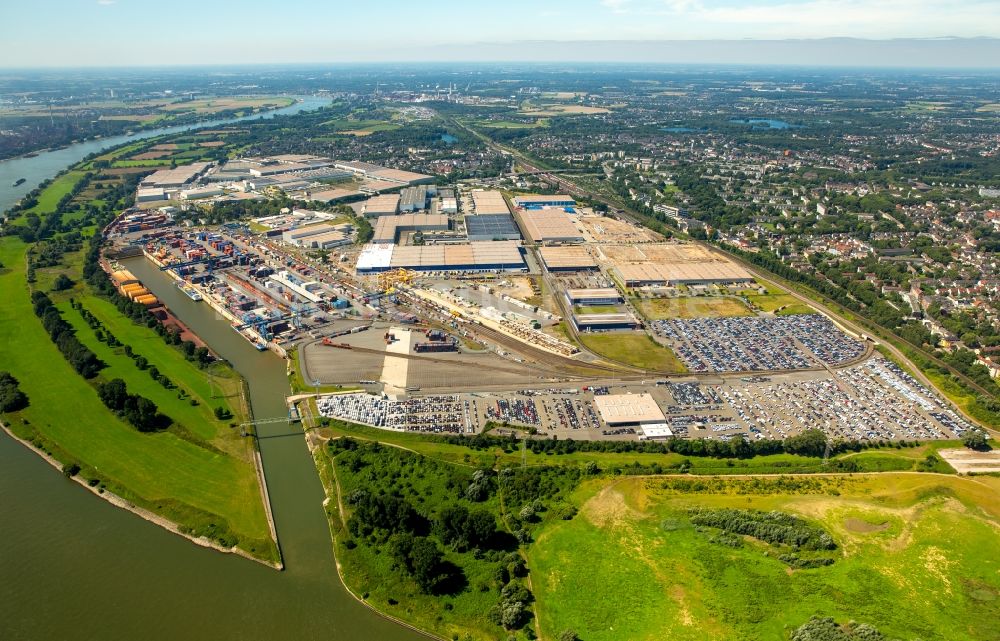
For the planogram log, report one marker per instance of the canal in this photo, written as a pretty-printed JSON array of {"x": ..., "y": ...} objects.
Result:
[{"x": 73, "y": 566}]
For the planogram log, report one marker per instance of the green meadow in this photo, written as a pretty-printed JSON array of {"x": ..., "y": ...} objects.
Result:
[
  {"x": 632, "y": 566},
  {"x": 199, "y": 473}
]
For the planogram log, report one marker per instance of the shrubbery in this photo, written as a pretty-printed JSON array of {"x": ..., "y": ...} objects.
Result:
[
  {"x": 12, "y": 398},
  {"x": 139, "y": 411}
]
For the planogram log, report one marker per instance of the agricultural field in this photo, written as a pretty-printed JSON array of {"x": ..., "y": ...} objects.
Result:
[
  {"x": 638, "y": 350},
  {"x": 633, "y": 565},
  {"x": 360, "y": 127},
  {"x": 691, "y": 307},
  {"x": 545, "y": 110}
]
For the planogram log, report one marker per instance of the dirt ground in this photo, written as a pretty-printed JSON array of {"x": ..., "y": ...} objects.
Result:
[{"x": 965, "y": 460}]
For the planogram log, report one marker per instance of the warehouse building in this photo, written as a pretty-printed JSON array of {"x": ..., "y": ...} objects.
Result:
[
  {"x": 149, "y": 194},
  {"x": 177, "y": 177},
  {"x": 473, "y": 257},
  {"x": 413, "y": 199},
  {"x": 383, "y": 174},
  {"x": 567, "y": 259},
  {"x": 633, "y": 410},
  {"x": 448, "y": 205},
  {"x": 535, "y": 201},
  {"x": 604, "y": 322},
  {"x": 388, "y": 228},
  {"x": 673, "y": 274},
  {"x": 322, "y": 236},
  {"x": 549, "y": 226},
  {"x": 602, "y": 296},
  {"x": 489, "y": 202},
  {"x": 201, "y": 192},
  {"x": 383, "y": 205},
  {"x": 491, "y": 227}
]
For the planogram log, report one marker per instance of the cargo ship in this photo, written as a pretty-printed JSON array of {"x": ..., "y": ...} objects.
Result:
[
  {"x": 19, "y": 182},
  {"x": 190, "y": 291},
  {"x": 251, "y": 336}
]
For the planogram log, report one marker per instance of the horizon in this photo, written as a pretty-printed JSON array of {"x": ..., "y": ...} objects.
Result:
[
  {"x": 101, "y": 33},
  {"x": 980, "y": 54}
]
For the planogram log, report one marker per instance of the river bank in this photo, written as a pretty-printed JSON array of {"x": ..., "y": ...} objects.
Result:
[{"x": 142, "y": 513}]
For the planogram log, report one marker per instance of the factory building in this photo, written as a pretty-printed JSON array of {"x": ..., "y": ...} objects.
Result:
[
  {"x": 567, "y": 259},
  {"x": 473, "y": 257},
  {"x": 384, "y": 205},
  {"x": 603, "y": 296},
  {"x": 549, "y": 226},
  {"x": 388, "y": 228},
  {"x": 535, "y": 201},
  {"x": 491, "y": 227}
]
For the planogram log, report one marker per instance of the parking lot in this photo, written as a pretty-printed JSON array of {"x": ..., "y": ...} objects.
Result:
[
  {"x": 871, "y": 401},
  {"x": 757, "y": 343}
]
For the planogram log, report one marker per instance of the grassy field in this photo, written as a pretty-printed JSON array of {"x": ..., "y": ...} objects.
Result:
[
  {"x": 631, "y": 565},
  {"x": 691, "y": 307},
  {"x": 51, "y": 195},
  {"x": 781, "y": 304},
  {"x": 637, "y": 350},
  {"x": 193, "y": 483}
]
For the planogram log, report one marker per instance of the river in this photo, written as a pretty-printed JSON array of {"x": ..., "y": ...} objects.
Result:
[
  {"x": 48, "y": 163},
  {"x": 74, "y": 566}
]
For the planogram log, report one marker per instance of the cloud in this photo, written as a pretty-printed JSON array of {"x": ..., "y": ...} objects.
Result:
[
  {"x": 617, "y": 6},
  {"x": 106, "y": 3},
  {"x": 697, "y": 19}
]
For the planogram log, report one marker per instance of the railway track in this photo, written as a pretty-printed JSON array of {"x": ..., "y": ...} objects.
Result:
[{"x": 433, "y": 359}]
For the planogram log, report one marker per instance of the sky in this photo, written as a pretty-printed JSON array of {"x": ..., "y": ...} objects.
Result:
[{"x": 160, "y": 32}]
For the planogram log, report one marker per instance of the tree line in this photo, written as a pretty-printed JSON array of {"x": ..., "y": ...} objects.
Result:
[
  {"x": 811, "y": 442},
  {"x": 85, "y": 362}
]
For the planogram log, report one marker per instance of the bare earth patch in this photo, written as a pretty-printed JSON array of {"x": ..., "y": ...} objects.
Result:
[
  {"x": 864, "y": 527},
  {"x": 965, "y": 461}
]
